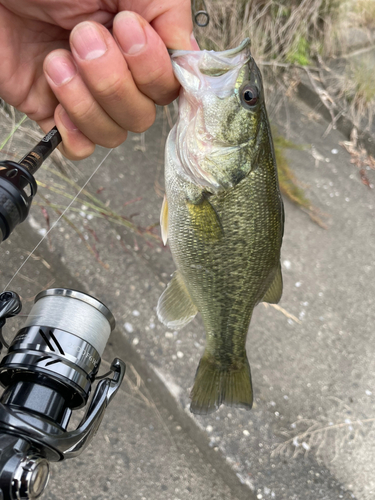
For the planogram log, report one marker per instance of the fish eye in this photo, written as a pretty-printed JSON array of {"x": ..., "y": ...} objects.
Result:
[{"x": 249, "y": 95}]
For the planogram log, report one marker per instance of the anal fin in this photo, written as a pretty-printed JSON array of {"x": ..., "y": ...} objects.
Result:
[
  {"x": 175, "y": 308},
  {"x": 273, "y": 294}
]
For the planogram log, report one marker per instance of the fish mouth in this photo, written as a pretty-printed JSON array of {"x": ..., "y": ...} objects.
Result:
[
  {"x": 210, "y": 62},
  {"x": 194, "y": 68}
]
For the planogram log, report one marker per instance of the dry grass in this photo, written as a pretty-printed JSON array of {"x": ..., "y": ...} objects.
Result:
[
  {"x": 360, "y": 92},
  {"x": 281, "y": 31},
  {"x": 364, "y": 12},
  {"x": 326, "y": 436}
]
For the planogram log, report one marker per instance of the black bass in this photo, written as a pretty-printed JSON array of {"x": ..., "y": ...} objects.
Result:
[{"x": 222, "y": 215}]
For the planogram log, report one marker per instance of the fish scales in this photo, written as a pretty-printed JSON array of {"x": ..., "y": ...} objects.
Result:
[{"x": 223, "y": 215}]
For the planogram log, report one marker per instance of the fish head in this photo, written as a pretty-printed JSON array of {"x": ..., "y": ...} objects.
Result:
[{"x": 222, "y": 116}]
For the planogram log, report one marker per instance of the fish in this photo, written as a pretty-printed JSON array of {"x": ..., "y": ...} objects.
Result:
[{"x": 222, "y": 216}]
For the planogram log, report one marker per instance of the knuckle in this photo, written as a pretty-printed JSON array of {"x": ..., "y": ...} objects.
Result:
[
  {"x": 160, "y": 87},
  {"x": 155, "y": 77},
  {"x": 82, "y": 111},
  {"x": 110, "y": 90}
]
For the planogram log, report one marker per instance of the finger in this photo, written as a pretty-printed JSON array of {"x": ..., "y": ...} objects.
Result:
[
  {"x": 174, "y": 25},
  {"x": 83, "y": 110},
  {"x": 146, "y": 56},
  {"x": 74, "y": 146},
  {"x": 107, "y": 76}
]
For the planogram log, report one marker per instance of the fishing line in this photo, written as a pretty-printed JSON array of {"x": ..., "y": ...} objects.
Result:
[{"x": 60, "y": 217}]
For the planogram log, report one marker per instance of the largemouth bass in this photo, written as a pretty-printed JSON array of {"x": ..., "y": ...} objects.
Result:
[{"x": 222, "y": 216}]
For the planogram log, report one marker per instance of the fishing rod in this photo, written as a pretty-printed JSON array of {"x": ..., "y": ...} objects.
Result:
[{"x": 18, "y": 186}]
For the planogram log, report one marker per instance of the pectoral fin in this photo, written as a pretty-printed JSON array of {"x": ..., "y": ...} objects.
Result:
[
  {"x": 175, "y": 308},
  {"x": 273, "y": 294},
  {"x": 205, "y": 221},
  {"x": 164, "y": 220}
]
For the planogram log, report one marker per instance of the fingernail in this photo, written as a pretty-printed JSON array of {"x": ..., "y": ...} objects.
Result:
[
  {"x": 129, "y": 33},
  {"x": 60, "y": 69},
  {"x": 66, "y": 121},
  {"x": 88, "y": 41},
  {"x": 194, "y": 43}
]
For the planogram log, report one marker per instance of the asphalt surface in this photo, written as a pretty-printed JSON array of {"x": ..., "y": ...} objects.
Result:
[{"x": 312, "y": 363}]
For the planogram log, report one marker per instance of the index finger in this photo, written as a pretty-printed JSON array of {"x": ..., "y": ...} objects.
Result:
[
  {"x": 171, "y": 19},
  {"x": 175, "y": 26}
]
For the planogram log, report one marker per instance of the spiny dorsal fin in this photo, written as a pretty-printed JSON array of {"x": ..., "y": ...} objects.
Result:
[
  {"x": 273, "y": 294},
  {"x": 164, "y": 220},
  {"x": 175, "y": 308}
]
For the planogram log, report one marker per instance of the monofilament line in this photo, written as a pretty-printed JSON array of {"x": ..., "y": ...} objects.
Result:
[{"x": 58, "y": 220}]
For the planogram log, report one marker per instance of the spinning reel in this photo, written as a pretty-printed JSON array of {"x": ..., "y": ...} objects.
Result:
[{"x": 48, "y": 372}]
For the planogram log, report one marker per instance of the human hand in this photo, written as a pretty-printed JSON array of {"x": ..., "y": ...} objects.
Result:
[{"x": 109, "y": 82}]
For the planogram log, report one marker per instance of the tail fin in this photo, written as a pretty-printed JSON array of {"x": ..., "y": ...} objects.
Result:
[{"x": 215, "y": 385}]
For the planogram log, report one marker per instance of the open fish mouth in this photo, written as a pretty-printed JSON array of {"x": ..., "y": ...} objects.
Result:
[{"x": 207, "y": 69}]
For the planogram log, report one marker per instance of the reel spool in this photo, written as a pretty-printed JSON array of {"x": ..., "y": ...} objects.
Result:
[{"x": 55, "y": 357}]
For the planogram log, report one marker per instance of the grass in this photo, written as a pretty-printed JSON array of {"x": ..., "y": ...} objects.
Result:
[
  {"x": 326, "y": 439},
  {"x": 288, "y": 182},
  {"x": 300, "y": 52},
  {"x": 279, "y": 30},
  {"x": 363, "y": 92},
  {"x": 364, "y": 10},
  {"x": 353, "y": 91},
  {"x": 12, "y": 132},
  {"x": 362, "y": 75}
]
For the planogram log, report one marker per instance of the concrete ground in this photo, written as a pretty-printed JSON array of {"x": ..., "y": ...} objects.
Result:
[{"x": 310, "y": 433}]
